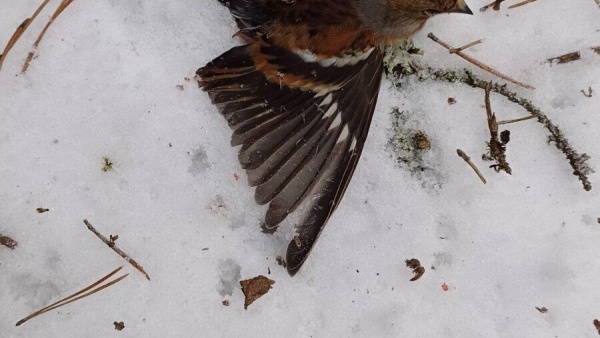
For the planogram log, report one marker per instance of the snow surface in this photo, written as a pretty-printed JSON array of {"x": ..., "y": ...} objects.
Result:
[{"x": 104, "y": 85}]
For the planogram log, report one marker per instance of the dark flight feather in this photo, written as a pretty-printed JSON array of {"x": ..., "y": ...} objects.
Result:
[{"x": 299, "y": 146}]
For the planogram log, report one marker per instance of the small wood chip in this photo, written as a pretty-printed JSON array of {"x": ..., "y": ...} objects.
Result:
[
  {"x": 541, "y": 309},
  {"x": 566, "y": 58},
  {"x": 119, "y": 326},
  {"x": 8, "y": 242},
  {"x": 255, "y": 288}
]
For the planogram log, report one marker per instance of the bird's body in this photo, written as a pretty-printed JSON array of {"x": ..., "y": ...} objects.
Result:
[{"x": 300, "y": 96}]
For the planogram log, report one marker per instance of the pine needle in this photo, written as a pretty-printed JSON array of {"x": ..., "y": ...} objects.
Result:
[
  {"x": 63, "y": 5},
  {"x": 20, "y": 30},
  {"x": 88, "y": 291}
]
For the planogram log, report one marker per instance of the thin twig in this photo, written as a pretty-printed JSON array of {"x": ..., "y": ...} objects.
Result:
[
  {"x": 469, "y": 45},
  {"x": 78, "y": 295},
  {"x": 523, "y": 3},
  {"x": 113, "y": 246},
  {"x": 467, "y": 159},
  {"x": 530, "y": 117},
  {"x": 478, "y": 63},
  {"x": 63, "y": 5},
  {"x": 20, "y": 30}
]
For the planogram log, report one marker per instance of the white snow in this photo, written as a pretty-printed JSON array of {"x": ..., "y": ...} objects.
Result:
[{"x": 104, "y": 85}]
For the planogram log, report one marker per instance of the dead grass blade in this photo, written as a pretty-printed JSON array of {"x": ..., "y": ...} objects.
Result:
[{"x": 88, "y": 291}]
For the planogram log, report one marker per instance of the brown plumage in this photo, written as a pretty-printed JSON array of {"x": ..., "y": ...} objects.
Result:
[{"x": 300, "y": 95}]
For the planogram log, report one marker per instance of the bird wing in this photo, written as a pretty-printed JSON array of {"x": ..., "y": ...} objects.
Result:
[{"x": 301, "y": 122}]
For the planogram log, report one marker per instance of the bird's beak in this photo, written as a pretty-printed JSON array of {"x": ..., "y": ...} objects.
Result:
[{"x": 461, "y": 7}]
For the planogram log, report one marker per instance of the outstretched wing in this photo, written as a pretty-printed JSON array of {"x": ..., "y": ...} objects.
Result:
[{"x": 301, "y": 121}]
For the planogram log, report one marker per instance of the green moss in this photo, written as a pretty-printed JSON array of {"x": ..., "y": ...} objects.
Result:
[{"x": 108, "y": 165}]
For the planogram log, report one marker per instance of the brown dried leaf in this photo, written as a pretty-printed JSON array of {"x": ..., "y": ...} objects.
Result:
[
  {"x": 597, "y": 325},
  {"x": 42, "y": 210},
  {"x": 422, "y": 141},
  {"x": 418, "y": 270},
  {"x": 255, "y": 288},
  {"x": 541, "y": 309}
]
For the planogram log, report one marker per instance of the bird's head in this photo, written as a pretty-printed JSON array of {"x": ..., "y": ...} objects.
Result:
[{"x": 399, "y": 19}]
